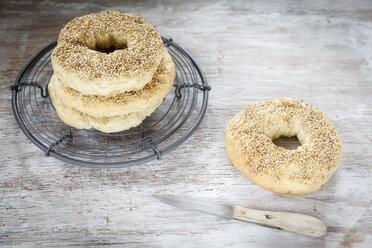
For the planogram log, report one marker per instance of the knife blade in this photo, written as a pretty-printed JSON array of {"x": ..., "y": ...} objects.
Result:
[
  {"x": 288, "y": 221},
  {"x": 189, "y": 203}
]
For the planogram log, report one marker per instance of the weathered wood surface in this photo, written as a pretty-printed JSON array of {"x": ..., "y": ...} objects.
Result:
[{"x": 318, "y": 51}]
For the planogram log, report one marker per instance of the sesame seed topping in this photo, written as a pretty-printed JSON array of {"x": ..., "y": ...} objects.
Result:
[
  {"x": 75, "y": 50},
  {"x": 254, "y": 129}
]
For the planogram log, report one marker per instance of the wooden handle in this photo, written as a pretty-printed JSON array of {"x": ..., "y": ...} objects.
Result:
[{"x": 292, "y": 222}]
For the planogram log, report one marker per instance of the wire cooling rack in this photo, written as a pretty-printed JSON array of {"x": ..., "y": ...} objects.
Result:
[{"x": 171, "y": 124}]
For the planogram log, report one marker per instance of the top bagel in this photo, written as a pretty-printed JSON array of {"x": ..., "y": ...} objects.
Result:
[{"x": 107, "y": 53}]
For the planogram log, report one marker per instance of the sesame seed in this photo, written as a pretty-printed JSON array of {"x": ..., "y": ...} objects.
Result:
[
  {"x": 142, "y": 54},
  {"x": 320, "y": 145}
]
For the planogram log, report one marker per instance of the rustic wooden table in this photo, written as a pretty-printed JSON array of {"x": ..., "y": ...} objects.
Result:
[{"x": 317, "y": 51}]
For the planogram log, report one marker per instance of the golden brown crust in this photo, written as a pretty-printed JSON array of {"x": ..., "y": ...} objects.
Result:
[
  {"x": 94, "y": 72},
  {"x": 249, "y": 145}
]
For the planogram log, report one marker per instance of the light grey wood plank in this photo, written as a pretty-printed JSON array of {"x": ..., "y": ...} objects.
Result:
[{"x": 317, "y": 51}]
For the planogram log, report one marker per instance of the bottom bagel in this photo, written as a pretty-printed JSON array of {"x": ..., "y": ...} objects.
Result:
[{"x": 79, "y": 120}]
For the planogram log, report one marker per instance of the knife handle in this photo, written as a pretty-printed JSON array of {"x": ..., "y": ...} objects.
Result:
[{"x": 292, "y": 222}]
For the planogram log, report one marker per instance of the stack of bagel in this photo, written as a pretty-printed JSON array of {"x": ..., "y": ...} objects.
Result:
[{"x": 111, "y": 71}]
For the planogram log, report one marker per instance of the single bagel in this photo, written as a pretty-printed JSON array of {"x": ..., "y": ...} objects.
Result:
[
  {"x": 249, "y": 143},
  {"x": 82, "y": 61},
  {"x": 149, "y": 97},
  {"x": 79, "y": 120}
]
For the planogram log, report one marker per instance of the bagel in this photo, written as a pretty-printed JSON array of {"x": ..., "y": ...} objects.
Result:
[
  {"x": 83, "y": 61},
  {"x": 249, "y": 144},
  {"x": 77, "y": 119},
  {"x": 146, "y": 98}
]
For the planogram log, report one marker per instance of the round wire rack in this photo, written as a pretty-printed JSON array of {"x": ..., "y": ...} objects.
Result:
[{"x": 168, "y": 127}]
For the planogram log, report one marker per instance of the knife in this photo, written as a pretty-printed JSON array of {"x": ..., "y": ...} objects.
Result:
[{"x": 291, "y": 222}]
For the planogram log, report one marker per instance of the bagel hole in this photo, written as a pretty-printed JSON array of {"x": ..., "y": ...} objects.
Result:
[
  {"x": 290, "y": 143},
  {"x": 107, "y": 44}
]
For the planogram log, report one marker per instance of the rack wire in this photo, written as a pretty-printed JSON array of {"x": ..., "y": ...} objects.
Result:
[{"x": 168, "y": 127}]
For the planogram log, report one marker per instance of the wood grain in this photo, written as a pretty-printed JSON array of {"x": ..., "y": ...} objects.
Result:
[{"x": 251, "y": 51}]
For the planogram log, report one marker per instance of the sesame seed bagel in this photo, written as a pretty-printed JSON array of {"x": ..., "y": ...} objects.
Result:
[
  {"x": 149, "y": 97},
  {"x": 80, "y": 120},
  {"x": 249, "y": 144},
  {"x": 82, "y": 58}
]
